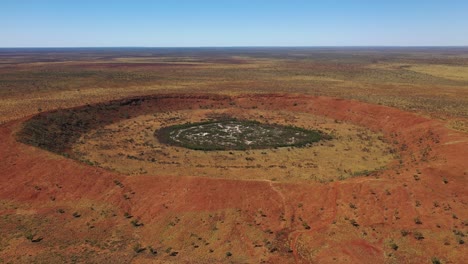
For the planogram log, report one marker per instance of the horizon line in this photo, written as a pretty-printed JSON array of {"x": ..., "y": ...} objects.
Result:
[{"x": 246, "y": 46}]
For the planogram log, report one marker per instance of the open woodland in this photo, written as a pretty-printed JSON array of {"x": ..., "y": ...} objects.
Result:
[{"x": 84, "y": 178}]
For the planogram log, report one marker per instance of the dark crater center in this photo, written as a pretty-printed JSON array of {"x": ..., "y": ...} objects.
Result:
[{"x": 236, "y": 135}]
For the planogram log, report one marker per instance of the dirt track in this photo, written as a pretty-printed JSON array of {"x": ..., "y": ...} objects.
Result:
[{"x": 356, "y": 220}]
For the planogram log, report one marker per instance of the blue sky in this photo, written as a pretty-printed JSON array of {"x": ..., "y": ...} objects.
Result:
[{"x": 182, "y": 23}]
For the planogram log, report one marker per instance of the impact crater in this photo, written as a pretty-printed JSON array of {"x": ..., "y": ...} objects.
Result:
[{"x": 248, "y": 137}]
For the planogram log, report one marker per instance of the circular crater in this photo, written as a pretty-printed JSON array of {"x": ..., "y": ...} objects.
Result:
[
  {"x": 272, "y": 137},
  {"x": 236, "y": 135}
]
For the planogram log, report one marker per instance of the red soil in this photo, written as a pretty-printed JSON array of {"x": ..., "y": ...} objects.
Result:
[{"x": 37, "y": 183}]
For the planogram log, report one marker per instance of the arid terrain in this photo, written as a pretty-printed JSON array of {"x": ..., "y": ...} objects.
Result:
[{"x": 85, "y": 179}]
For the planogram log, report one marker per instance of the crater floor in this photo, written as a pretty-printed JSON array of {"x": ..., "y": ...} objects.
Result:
[{"x": 130, "y": 147}]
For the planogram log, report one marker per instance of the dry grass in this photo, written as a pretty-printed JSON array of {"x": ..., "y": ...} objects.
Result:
[{"x": 458, "y": 73}]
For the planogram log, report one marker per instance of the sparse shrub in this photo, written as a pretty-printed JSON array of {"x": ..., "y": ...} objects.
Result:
[
  {"x": 128, "y": 215},
  {"x": 459, "y": 236},
  {"x": 138, "y": 248},
  {"x": 136, "y": 223},
  {"x": 33, "y": 238},
  {"x": 418, "y": 235},
  {"x": 29, "y": 236},
  {"x": 458, "y": 233},
  {"x": 354, "y": 223},
  {"x": 118, "y": 183},
  {"x": 404, "y": 232},
  {"x": 153, "y": 251}
]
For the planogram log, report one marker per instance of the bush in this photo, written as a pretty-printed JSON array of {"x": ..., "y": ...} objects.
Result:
[
  {"x": 418, "y": 235},
  {"x": 128, "y": 215},
  {"x": 138, "y": 248},
  {"x": 417, "y": 221},
  {"x": 153, "y": 251},
  {"x": 136, "y": 223},
  {"x": 354, "y": 222}
]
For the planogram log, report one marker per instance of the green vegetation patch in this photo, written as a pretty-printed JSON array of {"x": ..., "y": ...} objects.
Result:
[{"x": 235, "y": 134}]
